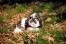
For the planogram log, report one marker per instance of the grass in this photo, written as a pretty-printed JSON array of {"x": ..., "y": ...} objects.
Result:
[
  {"x": 40, "y": 41},
  {"x": 48, "y": 6},
  {"x": 21, "y": 8},
  {"x": 53, "y": 19},
  {"x": 4, "y": 30},
  {"x": 9, "y": 12},
  {"x": 1, "y": 19}
]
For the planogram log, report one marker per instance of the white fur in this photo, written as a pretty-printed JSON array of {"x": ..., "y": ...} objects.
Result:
[
  {"x": 17, "y": 30},
  {"x": 23, "y": 22},
  {"x": 34, "y": 24},
  {"x": 33, "y": 15},
  {"x": 32, "y": 29}
]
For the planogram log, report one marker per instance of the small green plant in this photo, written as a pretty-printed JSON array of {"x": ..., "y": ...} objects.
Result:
[
  {"x": 4, "y": 30},
  {"x": 53, "y": 19},
  {"x": 40, "y": 41},
  {"x": 48, "y": 6},
  {"x": 25, "y": 38},
  {"x": 56, "y": 19},
  {"x": 57, "y": 35},
  {"x": 1, "y": 19},
  {"x": 36, "y": 9},
  {"x": 21, "y": 8}
]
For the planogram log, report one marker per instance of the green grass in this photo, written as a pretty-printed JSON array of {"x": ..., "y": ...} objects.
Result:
[
  {"x": 1, "y": 19},
  {"x": 40, "y": 41},
  {"x": 48, "y": 6},
  {"x": 4, "y": 30},
  {"x": 21, "y": 8}
]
